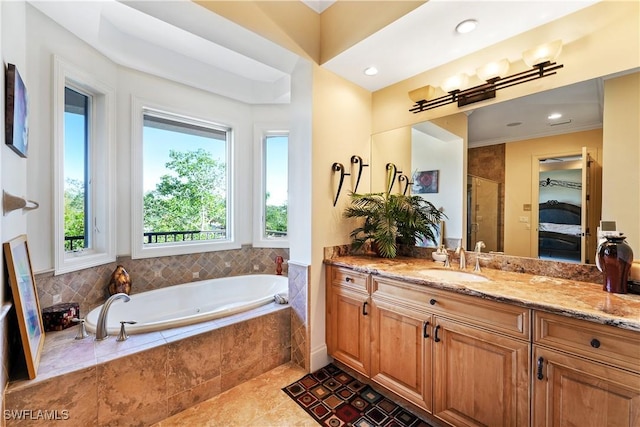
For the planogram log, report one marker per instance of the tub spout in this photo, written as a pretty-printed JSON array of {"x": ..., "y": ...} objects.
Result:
[{"x": 101, "y": 327}]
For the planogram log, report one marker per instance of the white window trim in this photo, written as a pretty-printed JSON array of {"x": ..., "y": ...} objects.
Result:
[
  {"x": 102, "y": 155},
  {"x": 138, "y": 249},
  {"x": 261, "y": 131}
]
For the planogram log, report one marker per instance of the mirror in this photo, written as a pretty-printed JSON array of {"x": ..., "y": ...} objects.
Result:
[
  {"x": 508, "y": 149},
  {"x": 432, "y": 156}
]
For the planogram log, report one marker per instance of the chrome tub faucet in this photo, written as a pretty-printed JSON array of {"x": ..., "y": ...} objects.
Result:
[{"x": 101, "y": 327}]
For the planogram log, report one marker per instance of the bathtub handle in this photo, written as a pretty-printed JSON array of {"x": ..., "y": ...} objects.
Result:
[
  {"x": 364, "y": 308},
  {"x": 122, "y": 336}
]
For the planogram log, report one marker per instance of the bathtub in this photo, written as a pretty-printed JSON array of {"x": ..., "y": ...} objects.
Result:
[{"x": 190, "y": 303}]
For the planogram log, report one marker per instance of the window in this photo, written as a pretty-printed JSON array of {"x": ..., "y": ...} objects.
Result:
[
  {"x": 185, "y": 195},
  {"x": 77, "y": 204},
  {"x": 273, "y": 193},
  {"x": 84, "y": 128}
]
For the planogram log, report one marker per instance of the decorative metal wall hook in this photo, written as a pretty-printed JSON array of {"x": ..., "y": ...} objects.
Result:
[
  {"x": 407, "y": 183},
  {"x": 392, "y": 172},
  {"x": 339, "y": 167},
  {"x": 357, "y": 160},
  {"x": 11, "y": 203}
]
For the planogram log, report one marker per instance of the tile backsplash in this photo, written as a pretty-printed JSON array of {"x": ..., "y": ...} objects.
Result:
[{"x": 89, "y": 287}]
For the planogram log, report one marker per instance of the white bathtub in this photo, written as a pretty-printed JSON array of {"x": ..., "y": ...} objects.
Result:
[{"x": 190, "y": 303}]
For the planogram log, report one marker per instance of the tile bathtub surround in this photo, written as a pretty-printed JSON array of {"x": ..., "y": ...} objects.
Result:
[
  {"x": 299, "y": 301},
  {"x": 88, "y": 287},
  {"x": 152, "y": 376}
]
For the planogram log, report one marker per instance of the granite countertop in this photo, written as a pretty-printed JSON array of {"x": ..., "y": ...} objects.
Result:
[{"x": 581, "y": 300}]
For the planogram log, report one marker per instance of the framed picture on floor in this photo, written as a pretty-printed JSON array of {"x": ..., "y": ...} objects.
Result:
[{"x": 25, "y": 300}]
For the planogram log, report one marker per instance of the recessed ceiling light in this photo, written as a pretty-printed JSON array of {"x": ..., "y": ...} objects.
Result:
[
  {"x": 371, "y": 71},
  {"x": 466, "y": 26},
  {"x": 554, "y": 116}
]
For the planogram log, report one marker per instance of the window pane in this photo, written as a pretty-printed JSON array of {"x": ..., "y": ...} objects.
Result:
[
  {"x": 76, "y": 197},
  {"x": 185, "y": 181},
  {"x": 276, "y": 190}
]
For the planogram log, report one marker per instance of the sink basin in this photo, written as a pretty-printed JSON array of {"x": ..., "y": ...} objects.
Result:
[{"x": 454, "y": 275}]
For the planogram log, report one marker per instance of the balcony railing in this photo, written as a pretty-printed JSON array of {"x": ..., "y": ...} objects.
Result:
[{"x": 75, "y": 243}]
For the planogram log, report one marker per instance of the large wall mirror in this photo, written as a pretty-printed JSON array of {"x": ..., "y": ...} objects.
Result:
[{"x": 527, "y": 182}]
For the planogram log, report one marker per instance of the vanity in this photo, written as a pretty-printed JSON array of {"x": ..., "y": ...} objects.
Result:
[{"x": 493, "y": 348}]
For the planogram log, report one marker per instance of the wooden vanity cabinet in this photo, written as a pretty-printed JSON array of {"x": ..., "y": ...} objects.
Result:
[
  {"x": 431, "y": 347},
  {"x": 586, "y": 374},
  {"x": 401, "y": 344},
  {"x": 348, "y": 320}
]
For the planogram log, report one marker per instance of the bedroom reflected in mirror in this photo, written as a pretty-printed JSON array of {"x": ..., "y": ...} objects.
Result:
[{"x": 565, "y": 214}]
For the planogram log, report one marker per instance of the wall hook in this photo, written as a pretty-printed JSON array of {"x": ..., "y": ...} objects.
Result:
[
  {"x": 11, "y": 203},
  {"x": 407, "y": 183},
  {"x": 392, "y": 172},
  {"x": 338, "y": 167},
  {"x": 357, "y": 160}
]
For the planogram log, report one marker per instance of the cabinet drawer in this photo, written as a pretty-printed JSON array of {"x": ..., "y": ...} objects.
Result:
[
  {"x": 603, "y": 343},
  {"x": 349, "y": 279},
  {"x": 496, "y": 316}
]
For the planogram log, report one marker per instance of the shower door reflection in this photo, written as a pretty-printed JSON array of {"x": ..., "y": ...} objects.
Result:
[{"x": 482, "y": 213}]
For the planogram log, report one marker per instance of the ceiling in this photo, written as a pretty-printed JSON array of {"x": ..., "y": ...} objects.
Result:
[{"x": 181, "y": 41}]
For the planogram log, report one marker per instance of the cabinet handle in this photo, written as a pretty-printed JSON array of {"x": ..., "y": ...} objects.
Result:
[
  {"x": 435, "y": 334},
  {"x": 364, "y": 308},
  {"x": 595, "y": 343},
  {"x": 432, "y": 301},
  {"x": 348, "y": 279},
  {"x": 540, "y": 366},
  {"x": 424, "y": 329}
]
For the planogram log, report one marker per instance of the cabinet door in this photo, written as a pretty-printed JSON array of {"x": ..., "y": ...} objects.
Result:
[
  {"x": 401, "y": 351},
  {"x": 348, "y": 328},
  {"x": 480, "y": 378},
  {"x": 571, "y": 391}
]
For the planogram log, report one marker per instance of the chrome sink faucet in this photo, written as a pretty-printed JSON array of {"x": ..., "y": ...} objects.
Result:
[
  {"x": 463, "y": 257},
  {"x": 479, "y": 245},
  {"x": 101, "y": 327}
]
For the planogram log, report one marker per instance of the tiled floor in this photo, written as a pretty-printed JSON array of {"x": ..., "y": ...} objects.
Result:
[{"x": 259, "y": 402}]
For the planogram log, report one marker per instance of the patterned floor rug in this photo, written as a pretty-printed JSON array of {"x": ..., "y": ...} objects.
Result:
[{"x": 335, "y": 399}]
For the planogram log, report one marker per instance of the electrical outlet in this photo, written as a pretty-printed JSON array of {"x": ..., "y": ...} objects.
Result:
[
  {"x": 256, "y": 267},
  {"x": 195, "y": 275},
  {"x": 157, "y": 273},
  {"x": 227, "y": 264},
  {"x": 57, "y": 298}
]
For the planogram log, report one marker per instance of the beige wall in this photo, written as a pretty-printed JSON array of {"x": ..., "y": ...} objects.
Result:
[
  {"x": 394, "y": 147},
  {"x": 341, "y": 128},
  {"x": 621, "y": 157},
  {"x": 519, "y": 175}
]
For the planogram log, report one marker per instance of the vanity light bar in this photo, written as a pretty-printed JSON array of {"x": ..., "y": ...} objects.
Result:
[{"x": 487, "y": 90}]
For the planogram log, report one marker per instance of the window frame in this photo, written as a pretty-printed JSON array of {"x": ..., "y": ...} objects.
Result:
[
  {"x": 139, "y": 250},
  {"x": 261, "y": 132},
  {"x": 101, "y": 155}
]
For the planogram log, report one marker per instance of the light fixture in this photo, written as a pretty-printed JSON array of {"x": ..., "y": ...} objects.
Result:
[
  {"x": 425, "y": 92},
  {"x": 371, "y": 71},
  {"x": 547, "y": 52},
  {"x": 456, "y": 82},
  {"x": 539, "y": 59},
  {"x": 554, "y": 116},
  {"x": 466, "y": 26},
  {"x": 493, "y": 70}
]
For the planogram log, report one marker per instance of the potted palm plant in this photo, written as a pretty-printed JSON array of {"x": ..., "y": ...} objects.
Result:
[{"x": 391, "y": 220}]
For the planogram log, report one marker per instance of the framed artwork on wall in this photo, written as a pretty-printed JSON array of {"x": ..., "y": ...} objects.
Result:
[
  {"x": 25, "y": 300},
  {"x": 425, "y": 182},
  {"x": 16, "y": 112}
]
